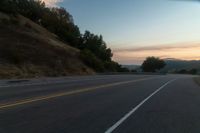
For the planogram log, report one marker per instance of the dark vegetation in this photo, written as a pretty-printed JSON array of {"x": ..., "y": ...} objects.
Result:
[
  {"x": 28, "y": 50},
  {"x": 94, "y": 51},
  {"x": 152, "y": 64},
  {"x": 181, "y": 66},
  {"x": 132, "y": 68},
  {"x": 184, "y": 71}
]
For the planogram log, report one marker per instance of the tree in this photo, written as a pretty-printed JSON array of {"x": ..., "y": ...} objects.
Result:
[
  {"x": 93, "y": 49},
  {"x": 91, "y": 60},
  {"x": 96, "y": 45},
  {"x": 193, "y": 71},
  {"x": 151, "y": 64},
  {"x": 8, "y": 6},
  {"x": 182, "y": 71}
]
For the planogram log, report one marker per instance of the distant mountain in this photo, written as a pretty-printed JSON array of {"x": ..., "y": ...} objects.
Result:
[
  {"x": 176, "y": 64},
  {"x": 132, "y": 67}
]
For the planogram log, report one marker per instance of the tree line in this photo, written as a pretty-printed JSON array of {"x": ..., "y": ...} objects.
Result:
[
  {"x": 94, "y": 51},
  {"x": 185, "y": 71}
]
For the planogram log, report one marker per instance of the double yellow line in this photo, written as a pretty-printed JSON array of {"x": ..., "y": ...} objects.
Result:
[{"x": 47, "y": 97}]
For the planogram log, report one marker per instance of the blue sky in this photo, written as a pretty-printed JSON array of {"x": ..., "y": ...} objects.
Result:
[{"x": 133, "y": 24}]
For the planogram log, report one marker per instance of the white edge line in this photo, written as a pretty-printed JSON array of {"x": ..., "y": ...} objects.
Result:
[{"x": 118, "y": 123}]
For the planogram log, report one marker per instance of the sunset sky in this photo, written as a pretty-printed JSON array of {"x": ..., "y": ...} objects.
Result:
[{"x": 135, "y": 29}]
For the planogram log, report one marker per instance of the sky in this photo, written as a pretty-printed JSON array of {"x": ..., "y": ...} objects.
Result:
[{"x": 135, "y": 29}]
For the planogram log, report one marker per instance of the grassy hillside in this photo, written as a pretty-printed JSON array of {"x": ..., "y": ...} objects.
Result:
[
  {"x": 29, "y": 50},
  {"x": 88, "y": 48}
]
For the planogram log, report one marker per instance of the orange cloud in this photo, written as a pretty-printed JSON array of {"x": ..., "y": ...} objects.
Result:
[{"x": 137, "y": 55}]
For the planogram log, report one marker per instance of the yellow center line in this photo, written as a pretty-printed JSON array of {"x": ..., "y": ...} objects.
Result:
[{"x": 41, "y": 98}]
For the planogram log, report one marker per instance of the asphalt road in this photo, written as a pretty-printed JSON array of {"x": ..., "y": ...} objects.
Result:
[{"x": 101, "y": 104}]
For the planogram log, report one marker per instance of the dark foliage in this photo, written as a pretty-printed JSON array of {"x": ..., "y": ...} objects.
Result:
[
  {"x": 96, "y": 44},
  {"x": 133, "y": 70},
  {"x": 94, "y": 51},
  {"x": 184, "y": 71},
  {"x": 193, "y": 71},
  {"x": 91, "y": 60},
  {"x": 8, "y": 6},
  {"x": 151, "y": 64}
]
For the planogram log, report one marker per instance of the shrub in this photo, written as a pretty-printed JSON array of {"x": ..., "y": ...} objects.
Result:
[
  {"x": 91, "y": 60},
  {"x": 8, "y": 6},
  {"x": 151, "y": 64}
]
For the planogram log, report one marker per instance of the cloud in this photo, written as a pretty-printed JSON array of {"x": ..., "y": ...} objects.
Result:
[
  {"x": 137, "y": 55},
  {"x": 52, "y": 3},
  {"x": 159, "y": 47}
]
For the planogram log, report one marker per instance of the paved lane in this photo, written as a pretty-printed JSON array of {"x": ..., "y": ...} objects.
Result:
[
  {"x": 92, "y": 111},
  {"x": 14, "y": 91},
  {"x": 176, "y": 109}
]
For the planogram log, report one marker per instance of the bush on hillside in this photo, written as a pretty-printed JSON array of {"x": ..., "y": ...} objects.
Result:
[
  {"x": 90, "y": 59},
  {"x": 8, "y": 6},
  {"x": 57, "y": 20}
]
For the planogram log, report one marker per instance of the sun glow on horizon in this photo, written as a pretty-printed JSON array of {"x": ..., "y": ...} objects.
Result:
[{"x": 137, "y": 55}]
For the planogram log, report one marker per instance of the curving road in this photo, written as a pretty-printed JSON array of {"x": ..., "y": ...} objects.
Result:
[{"x": 101, "y": 104}]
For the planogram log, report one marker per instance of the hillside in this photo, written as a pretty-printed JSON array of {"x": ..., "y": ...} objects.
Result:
[
  {"x": 173, "y": 65},
  {"x": 29, "y": 50}
]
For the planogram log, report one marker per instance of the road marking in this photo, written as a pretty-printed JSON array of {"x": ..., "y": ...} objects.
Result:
[
  {"x": 31, "y": 100},
  {"x": 118, "y": 123},
  {"x": 50, "y": 82},
  {"x": 47, "y": 82}
]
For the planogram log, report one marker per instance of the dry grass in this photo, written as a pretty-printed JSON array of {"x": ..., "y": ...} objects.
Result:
[{"x": 29, "y": 50}]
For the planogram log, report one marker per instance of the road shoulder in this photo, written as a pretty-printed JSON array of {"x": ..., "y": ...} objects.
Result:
[{"x": 197, "y": 80}]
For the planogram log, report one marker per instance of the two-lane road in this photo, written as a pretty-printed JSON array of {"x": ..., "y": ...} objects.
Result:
[{"x": 98, "y": 104}]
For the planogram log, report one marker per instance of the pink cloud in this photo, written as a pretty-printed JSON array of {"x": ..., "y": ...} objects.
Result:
[{"x": 137, "y": 55}]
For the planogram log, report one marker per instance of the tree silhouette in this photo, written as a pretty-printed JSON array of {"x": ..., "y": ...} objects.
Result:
[{"x": 151, "y": 64}]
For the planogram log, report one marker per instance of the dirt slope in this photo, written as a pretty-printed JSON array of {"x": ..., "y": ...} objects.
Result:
[{"x": 29, "y": 50}]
